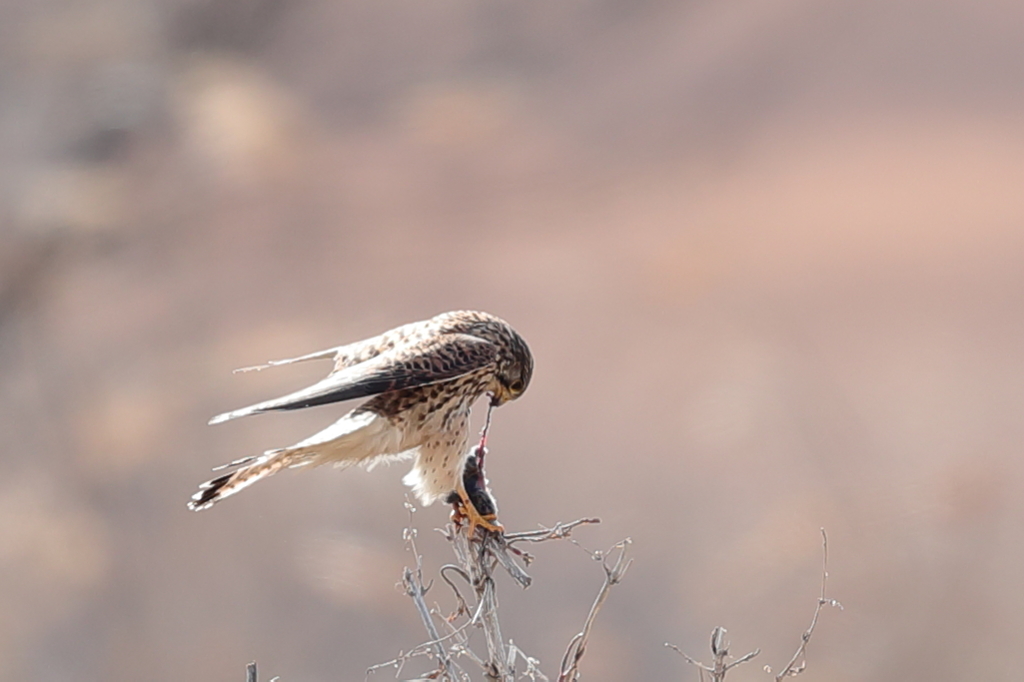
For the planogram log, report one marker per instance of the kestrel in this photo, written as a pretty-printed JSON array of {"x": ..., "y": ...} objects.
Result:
[{"x": 424, "y": 378}]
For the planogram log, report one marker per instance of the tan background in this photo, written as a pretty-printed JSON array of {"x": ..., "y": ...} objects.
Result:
[{"x": 768, "y": 256}]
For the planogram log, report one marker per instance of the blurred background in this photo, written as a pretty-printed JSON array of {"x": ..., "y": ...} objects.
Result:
[{"x": 769, "y": 257}]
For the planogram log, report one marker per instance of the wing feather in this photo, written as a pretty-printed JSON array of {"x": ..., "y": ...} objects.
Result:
[{"x": 441, "y": 358}]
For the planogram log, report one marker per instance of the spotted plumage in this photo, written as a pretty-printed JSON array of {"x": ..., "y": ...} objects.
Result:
[{"x": 422, "y": 379}]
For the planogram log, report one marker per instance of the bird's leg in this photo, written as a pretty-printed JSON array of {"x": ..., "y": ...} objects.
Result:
[
  {"x": 471, "y": 499},
  {"x": 465, "y": 510}
]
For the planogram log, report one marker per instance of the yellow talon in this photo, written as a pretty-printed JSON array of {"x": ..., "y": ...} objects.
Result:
[{"x": 465, "y": 510}]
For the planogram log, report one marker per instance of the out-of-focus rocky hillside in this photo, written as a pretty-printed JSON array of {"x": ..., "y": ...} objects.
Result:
[{"x": 768, "y": 257}]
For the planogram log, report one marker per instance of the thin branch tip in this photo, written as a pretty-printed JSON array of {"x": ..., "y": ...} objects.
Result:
[{"x": 797, "y": 664}]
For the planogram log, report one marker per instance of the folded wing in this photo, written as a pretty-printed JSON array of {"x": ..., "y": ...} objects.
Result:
[{"x": 432, "y": 361}]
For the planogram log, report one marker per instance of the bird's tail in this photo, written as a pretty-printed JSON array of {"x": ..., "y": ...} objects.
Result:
[{"x": 250, "y": 470}]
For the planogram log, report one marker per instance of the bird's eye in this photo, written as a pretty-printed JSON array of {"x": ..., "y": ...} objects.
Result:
[{"x": 516, "y": 385}]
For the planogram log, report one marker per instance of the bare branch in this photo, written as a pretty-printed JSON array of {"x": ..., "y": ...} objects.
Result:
[
  {"x": 496, "y": 546},
  {"x": 456, "y": 635},
  {"x": 476, "y": 560},
  {"x": 414, "y": 588},
  {"x": 463, "y": 607},
  {"x": 412, "y": 583},
  {"x": 798, "y": 663},
  {"x": 743, "y": 659},
  {"x": 689, "y": 659},
  {"x": 532, "y": 671},
  {"x": 251, "y": 675},
  {"x": 569, "y": 671},
  {"x": 477, "y": 555},
  {"x": 720, "y": 650},
  {"x": 558, "y": 532}
]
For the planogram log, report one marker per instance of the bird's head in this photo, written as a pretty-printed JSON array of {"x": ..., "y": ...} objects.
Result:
[{"x": 515, "y": 367}]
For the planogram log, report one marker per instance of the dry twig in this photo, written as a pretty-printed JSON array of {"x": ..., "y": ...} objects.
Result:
[
  {"x": 797, "y": 664},
  {"x": 476, "y": 559},
  {"x": 412, "y": 583},
  {"x": 720, "y": 650},
  {"x": 569, "y": 671},
  {"x": 251, "y": 675}
]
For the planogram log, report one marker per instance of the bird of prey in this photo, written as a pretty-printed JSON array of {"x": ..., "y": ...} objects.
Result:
[{"x": 423, "y": 378}]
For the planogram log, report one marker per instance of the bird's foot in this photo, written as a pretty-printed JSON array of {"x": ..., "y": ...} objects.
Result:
[
  {"x": 472, "y": 502},
  {"x": 464, "y": 511}
]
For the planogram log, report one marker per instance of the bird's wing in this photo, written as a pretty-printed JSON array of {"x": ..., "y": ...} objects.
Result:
[
  {"x": 441, "y": 358},
  {"x": 352, "y": 353}
]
